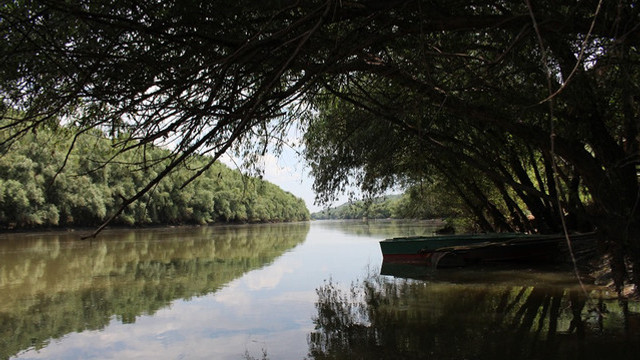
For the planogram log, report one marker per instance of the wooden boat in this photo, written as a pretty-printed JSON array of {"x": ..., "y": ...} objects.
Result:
[
  {"x": 418, "y": 248},
  {"x": 532, "y": 248},
  {"x": 459, "y": 250}
]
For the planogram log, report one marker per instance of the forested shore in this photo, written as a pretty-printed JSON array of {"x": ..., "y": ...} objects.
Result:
[
  {"x": 411, "y": 204},
  {"x": 44, "y": 185}
]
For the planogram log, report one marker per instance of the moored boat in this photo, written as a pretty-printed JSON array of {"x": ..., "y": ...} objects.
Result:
[
  {"x": 533, "y": 248},
  {"x": 419, "y": 248},
  {"x": 460, "y": 250}
]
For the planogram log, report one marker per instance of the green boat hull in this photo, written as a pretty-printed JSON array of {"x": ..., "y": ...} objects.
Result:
[
  {"x": 476, "y": 248},
  {"x": 419, "y": 248}
]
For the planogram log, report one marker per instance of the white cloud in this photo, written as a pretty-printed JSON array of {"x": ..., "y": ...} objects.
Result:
[
  {"x": 234, "y": 297},
  {"x": 267, "y": 278},
  {"x": 288, "y": 171},
  {"x": 280, "y": 170}
]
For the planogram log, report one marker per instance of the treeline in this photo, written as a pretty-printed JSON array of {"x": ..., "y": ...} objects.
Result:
[
  {"x": 42, "y": 184},
  {"x": 380, "y": 208},
  {"x": 418, "y": 202}
]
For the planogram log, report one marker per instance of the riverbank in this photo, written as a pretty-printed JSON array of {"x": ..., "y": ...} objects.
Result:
[{"x": 90, "y": 229}]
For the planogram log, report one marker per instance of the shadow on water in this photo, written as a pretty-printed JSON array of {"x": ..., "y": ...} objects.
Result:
[
  {"x": 472, "y": 314},
  {"x": 53, "y": 284}
]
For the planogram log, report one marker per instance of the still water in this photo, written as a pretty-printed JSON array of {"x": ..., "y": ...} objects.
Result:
[{"x": 288, "y": 291}]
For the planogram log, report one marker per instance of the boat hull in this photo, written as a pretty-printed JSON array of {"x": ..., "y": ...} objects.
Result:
[
  {"x": 418, "y": 258},
  {"x": 418, "y": 249},
  {"x": 467, "y": 250}
]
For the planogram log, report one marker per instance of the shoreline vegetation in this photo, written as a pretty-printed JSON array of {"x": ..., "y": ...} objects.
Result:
[
  {"x": 426, "y": 206},
  {"x": 124, "y": 227},
  {"x": 53, "y": 179}
]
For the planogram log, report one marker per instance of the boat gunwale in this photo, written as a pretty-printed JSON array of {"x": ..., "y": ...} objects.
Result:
[{"x": 498, "y": 236}]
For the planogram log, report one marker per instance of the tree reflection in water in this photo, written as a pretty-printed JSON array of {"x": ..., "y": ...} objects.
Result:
[
  {"x": 52, "y": 284},
  {"x": 383, "y": 318}
]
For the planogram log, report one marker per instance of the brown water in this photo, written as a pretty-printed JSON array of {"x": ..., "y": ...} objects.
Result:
[{"x": 288, "y": 291}]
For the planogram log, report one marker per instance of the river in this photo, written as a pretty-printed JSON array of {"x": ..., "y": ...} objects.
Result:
[{"x": 289, "y": 291}]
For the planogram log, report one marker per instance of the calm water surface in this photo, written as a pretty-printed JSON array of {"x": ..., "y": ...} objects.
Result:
[{"x": 288, "y": 291}]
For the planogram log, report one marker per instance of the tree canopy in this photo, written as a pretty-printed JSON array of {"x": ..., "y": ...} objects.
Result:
[
  {"x": 531, "y": 103},
  {"x": 528, "y": 121},
  {"x": 36, "y": 192}
]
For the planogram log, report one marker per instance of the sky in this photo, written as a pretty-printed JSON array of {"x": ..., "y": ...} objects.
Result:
[{"x": 290, "y": 173}]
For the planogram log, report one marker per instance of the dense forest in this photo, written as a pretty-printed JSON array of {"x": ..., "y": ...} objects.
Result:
[
  {"x": 379, "y": 208},
  {"x": 42, "y": 184},
  {"x": 426, "y": 200},
  {"x": 412, "y": 204}
]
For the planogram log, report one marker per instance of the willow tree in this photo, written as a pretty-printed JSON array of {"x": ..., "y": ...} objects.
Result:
[
  {"x": 520, "y": 108},
  {"x": 554, "y": 79}
]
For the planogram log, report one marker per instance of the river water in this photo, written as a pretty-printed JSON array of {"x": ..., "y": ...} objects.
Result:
[{"x": 313, "y": 290}]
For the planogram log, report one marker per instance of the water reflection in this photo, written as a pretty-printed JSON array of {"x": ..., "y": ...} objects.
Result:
[
  {"x": 53, "y": 284},
  {"x": 386, "y": 318},
  {"x": 384, "y": 228}
]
